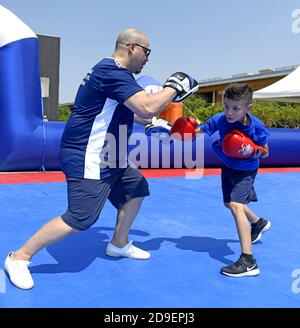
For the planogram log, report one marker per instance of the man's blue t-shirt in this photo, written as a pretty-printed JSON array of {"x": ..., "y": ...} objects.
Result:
[
  {"x": 91, "y": 138},
  {"x": 254, "y": 130}
]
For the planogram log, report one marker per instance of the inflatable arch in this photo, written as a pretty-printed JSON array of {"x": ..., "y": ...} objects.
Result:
[{"x": 30, "y": 143}]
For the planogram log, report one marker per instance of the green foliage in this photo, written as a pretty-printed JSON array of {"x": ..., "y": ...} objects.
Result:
[
  {"x": 273, "y": 114},
  {"x": 277, "y": 115},
  {"x": 64, "y": 112}
]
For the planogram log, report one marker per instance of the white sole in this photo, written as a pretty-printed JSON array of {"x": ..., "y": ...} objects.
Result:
[
  {"x": 244, "y": 274},
  {"x": 17, "y": 285},
  {"x": 128, "y": 257},
  {"x": 266, "y": 228}
]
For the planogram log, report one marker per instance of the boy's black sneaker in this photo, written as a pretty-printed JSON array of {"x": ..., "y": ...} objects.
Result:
[
  {"x": 258, "y": 228},
  {"x": 241, "y": 268}
]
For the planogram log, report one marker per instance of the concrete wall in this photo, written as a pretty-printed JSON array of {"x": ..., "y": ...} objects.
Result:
[{"x": 49, "y": 67}]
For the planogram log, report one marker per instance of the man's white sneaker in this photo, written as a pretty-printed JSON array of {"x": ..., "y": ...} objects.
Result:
[
  {"x": 128, "y": 250},
  {"x": 18, "y": 273}
]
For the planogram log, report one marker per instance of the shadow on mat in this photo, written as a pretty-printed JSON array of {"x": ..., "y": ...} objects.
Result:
[
  {"x": 78, "y": 251},
  {"x": 75, "y": 253},
  {"x": 216, "y": 248}
]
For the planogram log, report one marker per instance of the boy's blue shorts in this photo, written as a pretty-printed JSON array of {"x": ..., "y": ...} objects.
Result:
[
  {"x": 86, "y": 197},
  {"x": 237, "y": 185}
]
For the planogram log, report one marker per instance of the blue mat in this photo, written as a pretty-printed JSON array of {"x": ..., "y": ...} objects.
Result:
[{"x": 189, "y": 234}]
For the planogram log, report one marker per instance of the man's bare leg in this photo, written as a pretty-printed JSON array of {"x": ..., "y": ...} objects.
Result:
[
  {"x": 51, "y": 232},
  {"x": 126, "y": 215}
]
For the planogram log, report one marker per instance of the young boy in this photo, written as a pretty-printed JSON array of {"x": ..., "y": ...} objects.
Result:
[{"x": 238, "y": 175}]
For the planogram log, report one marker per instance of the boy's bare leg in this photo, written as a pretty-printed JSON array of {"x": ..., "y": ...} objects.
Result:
[
  {"x": 243, "y": 227},
  {"x": 252, "y": 217}
]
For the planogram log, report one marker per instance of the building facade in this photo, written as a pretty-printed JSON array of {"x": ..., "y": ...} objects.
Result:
[{"x": 212, "y": 90}]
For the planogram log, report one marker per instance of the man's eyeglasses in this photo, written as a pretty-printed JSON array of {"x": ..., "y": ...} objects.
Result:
[{"x": 147, "y": 51}]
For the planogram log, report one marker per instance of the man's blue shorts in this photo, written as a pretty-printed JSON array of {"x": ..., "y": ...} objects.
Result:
[
  {"x": 86, "y": 197},
  {"x": 237, "y": 185}
]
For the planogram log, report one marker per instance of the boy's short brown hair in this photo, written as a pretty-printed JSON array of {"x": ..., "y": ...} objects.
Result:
[{"x": 239, "y": 91}]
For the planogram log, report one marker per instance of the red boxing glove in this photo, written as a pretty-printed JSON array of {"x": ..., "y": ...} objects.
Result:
[
  {"x": 237, "y": 145},
  {"x": 184, "y": 128}
]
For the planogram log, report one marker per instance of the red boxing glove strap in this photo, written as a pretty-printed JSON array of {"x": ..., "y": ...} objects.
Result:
[{"x": 260, "y": 151}]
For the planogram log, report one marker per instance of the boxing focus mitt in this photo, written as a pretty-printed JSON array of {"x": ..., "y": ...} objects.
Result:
[
  {"x": 184, "y": 128},
  {"x": 184, "y": 85},
  {"x": 159, "y": 128},
  {"x": 238, "y": 145}
]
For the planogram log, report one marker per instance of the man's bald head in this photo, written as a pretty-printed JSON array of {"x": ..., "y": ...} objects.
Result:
[{"x": 130, "y": 35}]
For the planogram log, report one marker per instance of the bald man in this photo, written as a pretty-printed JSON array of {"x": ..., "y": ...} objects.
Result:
[{"x": 107, "y": 98}]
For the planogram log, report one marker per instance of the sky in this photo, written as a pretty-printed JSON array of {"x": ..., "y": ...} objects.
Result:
[{"x": 204, "y": 38}]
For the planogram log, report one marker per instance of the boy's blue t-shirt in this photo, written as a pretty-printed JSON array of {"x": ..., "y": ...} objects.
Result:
[{"x": 255, "y": 130}]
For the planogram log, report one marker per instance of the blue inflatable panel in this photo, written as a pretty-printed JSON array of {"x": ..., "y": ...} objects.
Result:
[
  {"x": 37, "y": 155},
  {"x": 284, "y": 148},
  {"x": 21, "y": 124},
  {"x": 283, "y": 145},
  {"x": 53, "y": 132},
  {"x": 20, "y": 105}
]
